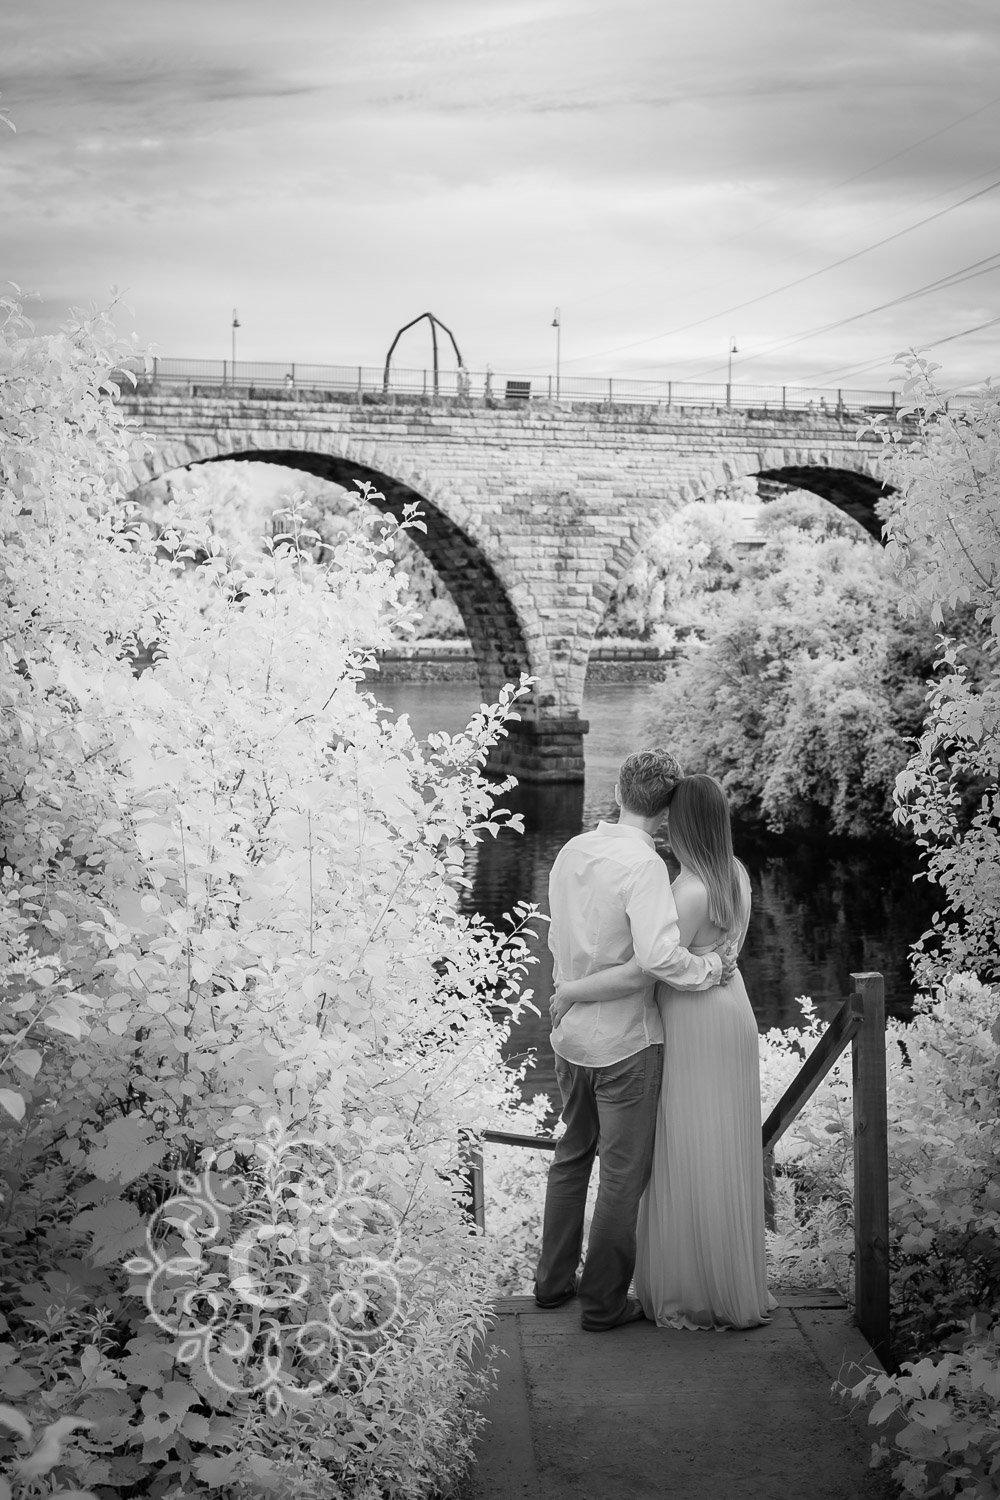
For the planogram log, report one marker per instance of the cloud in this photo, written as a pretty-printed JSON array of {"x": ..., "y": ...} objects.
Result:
[{"x": 334, "y": 170}]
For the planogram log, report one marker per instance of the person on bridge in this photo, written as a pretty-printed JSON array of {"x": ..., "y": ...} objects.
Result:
[
  {"x": 701, "y": 1256},
  {"x": 610, "y": 901}
]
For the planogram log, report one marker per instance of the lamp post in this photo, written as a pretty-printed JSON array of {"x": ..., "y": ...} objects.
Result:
[
  {"x": 729, "y": 377},
  {"x": 236, "y": 324},
  {"x": 557, "y": 325}
]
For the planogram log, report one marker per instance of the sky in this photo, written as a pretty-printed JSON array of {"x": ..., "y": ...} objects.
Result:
[{"x": 672, "y": 178}]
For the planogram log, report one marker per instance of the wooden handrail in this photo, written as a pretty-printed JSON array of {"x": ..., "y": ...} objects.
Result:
[
  {"x": 860, "y": 1021},
  {"x": 535, "y": 1142},
  {"x": 474, "y": 1160},
  {"x": 841, "y": 1030}
]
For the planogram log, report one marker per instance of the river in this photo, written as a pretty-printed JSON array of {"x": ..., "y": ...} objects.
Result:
[{"x": 820, "y": 910}]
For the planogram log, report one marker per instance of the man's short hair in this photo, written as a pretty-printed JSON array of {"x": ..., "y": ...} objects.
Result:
[{"x": 647, "y": 780}]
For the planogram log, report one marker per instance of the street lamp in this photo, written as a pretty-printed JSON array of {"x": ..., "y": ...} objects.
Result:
[
  {"x": 236, "y": 324},
  {"x": 557, "y": 325},
  {"x": 729, "y": 378}
]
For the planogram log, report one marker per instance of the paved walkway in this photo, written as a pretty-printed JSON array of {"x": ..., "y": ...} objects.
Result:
[{"x": 644, "y": 1412}]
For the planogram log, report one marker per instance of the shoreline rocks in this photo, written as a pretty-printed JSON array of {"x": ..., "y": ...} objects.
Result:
[{"x": 453, "y": 661}]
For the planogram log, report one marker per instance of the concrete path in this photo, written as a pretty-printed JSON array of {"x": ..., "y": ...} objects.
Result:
[{"x": 644, "y": 1412}]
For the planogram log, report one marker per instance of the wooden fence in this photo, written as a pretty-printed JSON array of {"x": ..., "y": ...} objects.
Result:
[{"x": 860, "y": 1022}]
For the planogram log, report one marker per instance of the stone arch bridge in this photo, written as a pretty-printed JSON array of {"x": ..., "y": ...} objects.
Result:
[{"x": 532, "y": 511}]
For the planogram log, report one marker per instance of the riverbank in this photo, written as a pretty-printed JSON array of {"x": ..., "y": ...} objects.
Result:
[{"x": 453, "y": 661}]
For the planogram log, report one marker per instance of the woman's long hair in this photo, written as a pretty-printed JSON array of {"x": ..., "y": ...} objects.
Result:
[{"x": 702, "y": 839}]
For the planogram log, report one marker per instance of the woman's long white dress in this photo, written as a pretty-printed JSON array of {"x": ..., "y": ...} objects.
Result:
[{"x": 701, "y": 1260}]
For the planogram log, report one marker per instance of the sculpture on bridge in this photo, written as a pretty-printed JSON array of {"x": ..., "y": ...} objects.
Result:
[{"x": 463, "y": 379}]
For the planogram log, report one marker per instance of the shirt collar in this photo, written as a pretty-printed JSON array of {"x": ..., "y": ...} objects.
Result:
[{"x": 624, "y": 831}]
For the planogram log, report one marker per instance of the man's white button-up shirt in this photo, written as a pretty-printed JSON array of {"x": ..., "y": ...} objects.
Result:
[{"x": 610, "y": 899}]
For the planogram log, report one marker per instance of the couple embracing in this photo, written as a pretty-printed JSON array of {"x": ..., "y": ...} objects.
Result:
[{"x": 656, "y": 1058}]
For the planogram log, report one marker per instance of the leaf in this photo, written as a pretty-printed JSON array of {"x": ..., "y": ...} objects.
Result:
[
  {"x": 15, "y": 1422},
  {"x": 884, "y": 1408},
  {"x": 49, "y": 1450},
  {"x": 68, "y": 1025},
  {"x": 16, "y": 1381},
  {"x": 115, "y": 1227},
  {"x": 214, "y": 1472},
  {"x": 128, "y": 1148},
  {"x": 12, "y": 1103},
  {"x": 932, "y": 1414},
  {"x": 28, "y": 1060}
]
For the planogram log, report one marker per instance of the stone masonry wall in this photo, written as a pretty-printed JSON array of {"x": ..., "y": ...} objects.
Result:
[{"x": 533, "y": 511}]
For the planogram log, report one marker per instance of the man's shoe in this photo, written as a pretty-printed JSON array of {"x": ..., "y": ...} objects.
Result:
[
  {"x": 550, "y": 1302},
  {"x": 633, "y": 1314}
]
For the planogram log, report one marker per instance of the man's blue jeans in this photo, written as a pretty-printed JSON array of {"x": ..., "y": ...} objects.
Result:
[{"x": 614, "y": 1107}]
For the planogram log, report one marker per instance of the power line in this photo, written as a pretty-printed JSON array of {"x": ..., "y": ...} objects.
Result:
[
  {"x": 942, "y": 283},
  {"x": 804, "y": 203},
  {"x": 873, "y": 364},
  {"x": 964, "y": 334},
  {"x": 810, "y": 276},
  {"x": 885, "y": 160}
]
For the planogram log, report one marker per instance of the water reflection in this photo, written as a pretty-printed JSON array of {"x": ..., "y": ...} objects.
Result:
[{"x": 820, "y": 912}]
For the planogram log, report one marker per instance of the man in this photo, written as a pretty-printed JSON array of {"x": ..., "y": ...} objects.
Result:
[{"x": 610, "y": 898}]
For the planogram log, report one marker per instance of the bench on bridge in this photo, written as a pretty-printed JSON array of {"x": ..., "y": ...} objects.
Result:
[
  {"x": 860, "y": 1021},
  {"x": 518, "y": 390}
]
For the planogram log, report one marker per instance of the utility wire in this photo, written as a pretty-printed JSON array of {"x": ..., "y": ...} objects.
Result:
[
  {"x": 804, "y": 203},
  {"x": 913, "y": 146},
  {"x": 875, "y": 363},
  {"x": 810, "y": 276},
  {"x": 943, "y": 283},
  {"x": 964, "y": 334}
]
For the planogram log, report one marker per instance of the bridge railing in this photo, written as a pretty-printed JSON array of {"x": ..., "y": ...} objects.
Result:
[
  {"x": 860, "y": 1024},
  {"x": 359, "y": 381}
]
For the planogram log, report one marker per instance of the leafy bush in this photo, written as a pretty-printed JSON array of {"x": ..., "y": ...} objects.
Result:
[
  {"x": 947, "y": 1432},
  {"x": 796, "y": 682},
  {"x": 242, "y": 503},
  {"x": 229, "y": 913},
  {"x": 943, "y": 1106},
  {"x": 944, "y": 1217},
  {"x": 944, "y": 540},
  {"x": 694, "y": 553}
]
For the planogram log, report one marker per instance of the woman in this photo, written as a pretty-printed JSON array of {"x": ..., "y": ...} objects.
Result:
[{"x": 701, "y": 1261}]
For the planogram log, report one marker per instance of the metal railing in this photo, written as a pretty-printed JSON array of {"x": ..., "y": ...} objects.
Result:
[
  {"x": 265, "y": 378},
  {"x": 860, "y": 1022}
]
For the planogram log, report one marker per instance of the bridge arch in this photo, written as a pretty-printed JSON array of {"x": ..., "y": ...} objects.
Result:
[
  {"x": 533, "y": 511},
  {"x": 489, "y": 611},
  {"x": 855, "y": 490}
]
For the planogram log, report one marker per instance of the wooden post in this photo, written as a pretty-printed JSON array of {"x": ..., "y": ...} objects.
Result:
[
  {"x": 476, "y": 1186},
  {"x": 769, "y": 1218},
  {"x": 871, "y": 1169}
]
